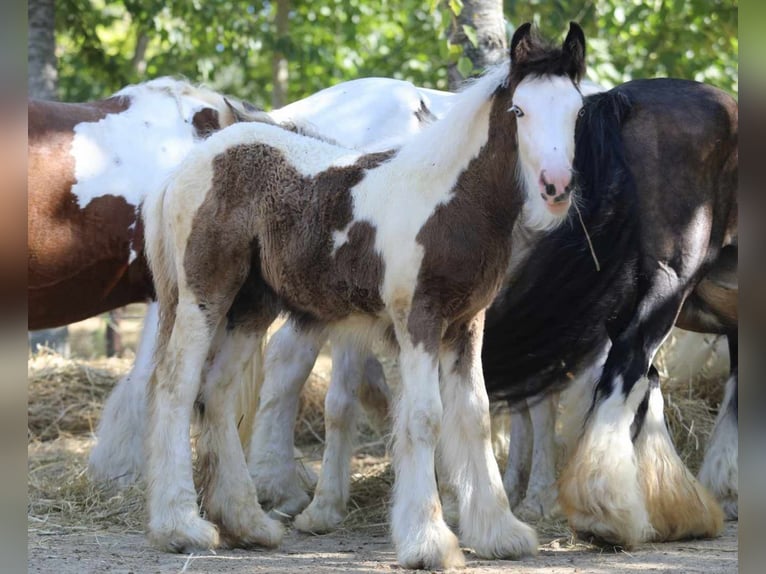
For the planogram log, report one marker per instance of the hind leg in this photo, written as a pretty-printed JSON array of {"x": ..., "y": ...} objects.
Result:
[
  {"x": 290, "y": 356},
  {"x": 720, "y": 470},
  {"x": 174, "y": 520},
  {"x": 229, "y": 495},
  {"x": 118, "y": 457},
  {"x": 541, "y": 499},
  {"x": 519, "y": 455},
  {"x": 486, "y": 521},
  {"x": 328, "y": 508}
]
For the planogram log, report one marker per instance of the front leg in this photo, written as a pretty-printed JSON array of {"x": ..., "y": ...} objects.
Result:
[
  {"x": 604, "y": 489},
  {"x": 465, "y": 446},
  {"x": 421, "y": 537}
]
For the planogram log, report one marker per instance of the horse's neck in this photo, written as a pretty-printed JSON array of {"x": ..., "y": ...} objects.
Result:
[{"x": 491, "y": 177}]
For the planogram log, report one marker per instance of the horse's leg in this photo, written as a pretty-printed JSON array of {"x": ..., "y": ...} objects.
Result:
[
  {"x": 328, "y": 508},
  {"x": 290, "y": 356},
  {"x": 421, "y": 537},
  {"x": 375, "y": 396},
  {"x": 541, "y": 499},
  {"x": 519, "y": 454},
  {"x": 600, "y": 490},
  {"x": 486, "y": 522},
  {"x": 679, "y": 507},
  {"x": 229, "y": 494},
  {"x": 720, "y": 470},
  {"x": 174, "y": 520},
  {"x": 118, "y": 456}
]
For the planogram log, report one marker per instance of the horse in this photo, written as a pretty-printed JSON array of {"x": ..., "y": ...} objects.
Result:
[
  {"x": 369, "y": 114},
  {"x": 258, "y": 219},
  {"x": 532, "y": 346},
  {"x": 90, "y": 166},
  {"x": 657, "y": 179}
]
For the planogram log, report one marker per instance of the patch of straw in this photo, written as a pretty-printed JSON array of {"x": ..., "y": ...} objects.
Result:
[{"x": 66, "y": 396}]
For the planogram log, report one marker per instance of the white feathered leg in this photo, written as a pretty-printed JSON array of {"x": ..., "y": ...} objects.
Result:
[
  {"x": 678, "y": 505},
  {"x": 118, "y": 457},
  {"x": 174, "y": 520},
  {"x": 486, "y": 522},
  {"x": 421, "y": 537},
  {"x": 229, "y": 495}
]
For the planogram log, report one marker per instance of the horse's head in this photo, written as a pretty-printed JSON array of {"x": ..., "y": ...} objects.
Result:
[{"x": 546, "y": 100}]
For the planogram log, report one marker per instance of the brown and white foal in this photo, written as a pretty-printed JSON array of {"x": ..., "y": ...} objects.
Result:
[{"x": 413, "y": 243}]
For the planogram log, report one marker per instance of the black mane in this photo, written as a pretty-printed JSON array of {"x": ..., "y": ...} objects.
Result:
[{"x": 551, "y": 318}]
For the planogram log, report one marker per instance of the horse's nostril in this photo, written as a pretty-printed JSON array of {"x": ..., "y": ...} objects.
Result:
[{"x": 550, "y": 189}]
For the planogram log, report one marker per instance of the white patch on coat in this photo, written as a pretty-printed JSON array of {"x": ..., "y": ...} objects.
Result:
[
  {"x": 370, "y": 114},
  {"x": 128, "y": 154}
]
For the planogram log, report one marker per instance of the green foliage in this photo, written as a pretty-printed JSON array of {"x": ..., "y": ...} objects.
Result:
[
  {"x": 692, "y": 39},
  {"x": 103, "y": 45}
]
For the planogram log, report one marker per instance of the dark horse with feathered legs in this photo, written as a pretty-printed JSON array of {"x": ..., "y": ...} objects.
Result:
[{"x": 657, "y": 169}]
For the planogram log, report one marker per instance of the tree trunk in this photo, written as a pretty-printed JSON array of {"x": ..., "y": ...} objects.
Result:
[
  {"x": 43, "y": 76},
  {"x": 486, "y": 18},
  {"x": 279, "y": 61}
]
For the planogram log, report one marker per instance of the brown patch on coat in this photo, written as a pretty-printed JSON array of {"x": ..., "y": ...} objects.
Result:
[
  {"x": 269, "y": 229},
  {"x": 467, "y": 241},
  {"x": 206, "y": 122},
  {"x": 77, "y": 258}
]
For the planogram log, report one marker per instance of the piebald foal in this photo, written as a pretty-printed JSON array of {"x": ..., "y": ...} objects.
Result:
[{"x": 411, "y": 242}]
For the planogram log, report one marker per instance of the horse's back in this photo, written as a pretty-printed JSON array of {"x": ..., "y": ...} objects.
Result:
[
  {"x": 681, "y": 142},
  {"x": 368, "y": 113}
]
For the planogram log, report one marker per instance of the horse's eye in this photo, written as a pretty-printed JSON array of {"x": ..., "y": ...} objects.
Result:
[
  {"x": 581, "y": 113},
  {"x": 516, "y": 110}
]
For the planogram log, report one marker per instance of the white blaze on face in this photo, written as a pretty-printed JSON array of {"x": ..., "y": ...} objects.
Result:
[{"x": 546, "y": 109}]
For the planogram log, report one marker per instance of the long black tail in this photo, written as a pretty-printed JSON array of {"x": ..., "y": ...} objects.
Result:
[{"x": 553, "y": 315}]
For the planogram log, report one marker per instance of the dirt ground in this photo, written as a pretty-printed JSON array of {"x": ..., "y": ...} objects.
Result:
[
  {"x": 362, "y": 550},
  {"x": 76, "y": 527}
]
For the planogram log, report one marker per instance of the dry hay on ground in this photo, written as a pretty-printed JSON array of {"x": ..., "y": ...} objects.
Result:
[
  {"x": 65, "y": 401},
  {"x": 66, "y": 396}
]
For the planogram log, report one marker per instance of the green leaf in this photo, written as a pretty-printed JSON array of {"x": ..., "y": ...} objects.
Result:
[
  {"x": 456, "y": 6},
  {"x": 464, "y": 66},
  {"x": 470, "y": 33}
]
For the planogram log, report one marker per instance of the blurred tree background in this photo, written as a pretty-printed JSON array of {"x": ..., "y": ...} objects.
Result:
[{"x": 277, "y": 51}]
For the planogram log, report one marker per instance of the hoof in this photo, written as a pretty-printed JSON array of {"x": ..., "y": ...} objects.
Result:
[{"x": 184, "y": 535}]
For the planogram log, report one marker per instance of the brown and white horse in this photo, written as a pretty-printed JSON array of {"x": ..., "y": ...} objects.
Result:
[
  {"x": 90, "y": 166},
  {"x": 411, "y": 242},
  {"x": 370, "y": 114}
]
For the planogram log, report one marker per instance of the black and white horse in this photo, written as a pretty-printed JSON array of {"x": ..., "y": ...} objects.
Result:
[
  {"x": 657, "y": 170},
  {"x": 412, "y": 243}
]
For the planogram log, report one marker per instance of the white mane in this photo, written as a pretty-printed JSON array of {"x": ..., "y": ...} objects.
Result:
[{"x": 462, "y": 128}]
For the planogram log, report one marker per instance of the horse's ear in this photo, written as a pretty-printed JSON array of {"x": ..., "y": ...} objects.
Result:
[
  {"x": 239, "y": 114},
  {"x": 521, "y": 42},
  {"x": 574, "y": 49}
]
